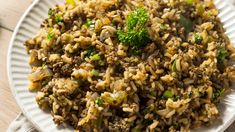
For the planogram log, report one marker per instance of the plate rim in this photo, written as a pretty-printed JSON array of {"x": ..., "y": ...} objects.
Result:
[{"x": 9, "y": 69}]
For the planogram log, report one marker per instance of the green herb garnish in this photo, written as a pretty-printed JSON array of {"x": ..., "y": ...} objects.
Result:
[
  {"x": 186, "y": 23},
  {"x": 137, "y": 35},
  {"x": 168, "y": 94},
  {"x": 173, "y": 68},
  {"x": 58, "y": 18},
  {"x": 217, "y": 93},
  {"x": 99, "y": 101},
  {"x": 163, "y": 27},
  {"x": 222, "y": 54},
  {"x": 50, "y": 35},
  {"x": 89, "y": 23},
  {"x": 137, "y": 19},
  {"x": 95, "y": 57},
  {"x": 197, "y": 38},
  {"x": 44, "y": 64},
  {"x": 95, "y": 72},
  {"x": 90, "y": 51}
]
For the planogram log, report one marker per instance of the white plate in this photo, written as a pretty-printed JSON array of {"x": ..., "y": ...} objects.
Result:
[{"x": 18, "y": 67}]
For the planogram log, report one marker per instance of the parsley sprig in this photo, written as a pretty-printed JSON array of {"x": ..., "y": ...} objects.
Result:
[{"x": 136, "y": 34}]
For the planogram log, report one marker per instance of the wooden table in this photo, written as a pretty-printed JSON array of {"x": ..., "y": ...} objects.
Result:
[{"x": 10, "y": 13}]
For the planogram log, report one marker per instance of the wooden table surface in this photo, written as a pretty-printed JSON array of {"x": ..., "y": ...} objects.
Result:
[{"x": 10, "y": 13}]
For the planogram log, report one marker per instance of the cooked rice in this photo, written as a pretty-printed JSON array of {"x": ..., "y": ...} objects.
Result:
[{"x": 87, "y": 77}]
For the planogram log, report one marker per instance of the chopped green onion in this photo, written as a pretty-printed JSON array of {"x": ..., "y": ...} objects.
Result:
[
  {"x": 44, "y": 64},
  {"x": 197, "y": 38},
  {"x": 168, "y": 94},
  {"x": 95, "y": 57},
  {"x": 50, "y": 35},
  {"x": 173, "y": 68},
  {"x": 222, "y": 54},
  {"x": 90, "y": 51},
  {"x": 99, "y": 101},
  {"x": 163, "y": 27},
  {"x": 95, "y": 72},
  {"x": 89, "y": 23},
  {"x": 58, "y": 18},
  {"x": 186, "y": 23},
  {"x": 71, "y": 2},
  {"x": 217, "y": 93}
]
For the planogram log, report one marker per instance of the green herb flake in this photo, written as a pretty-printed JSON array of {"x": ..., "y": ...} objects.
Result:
[
  {"x": 90, "y": 51},
  {"x": 95, "y": 57},
  {"x": 186, "y": 23},
  {"x": 173, "y": 68},
  {"x": 50, "y": 12},
  {"x": 222, "y": 54},
  {"x": 95, "y": 72},
  {"x": 89, "y": 23},
  {"x": 217, "y": 93},
  {"x": 197, "y": 38},
  {"x": 71, "y": 2},
  {"x": 58, "y": 18},
  {"x": 168, "y": 94},
  {"x": 99, "y": 101},
  {"x": 137, "y": 19},
  {"x": 50, "y": 35},
  {"x": 44, "y": 64},
  {"x": 163, "y": 27},
  {"x": 137, "y": 35}
]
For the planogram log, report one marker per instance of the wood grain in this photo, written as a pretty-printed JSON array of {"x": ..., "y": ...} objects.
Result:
[
  {"x": 8, "y": 107},
  {"x": 10, "y": 13}
]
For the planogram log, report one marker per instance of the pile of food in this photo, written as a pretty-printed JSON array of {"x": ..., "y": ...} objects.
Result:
[{"x": 131, "y": 65}]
